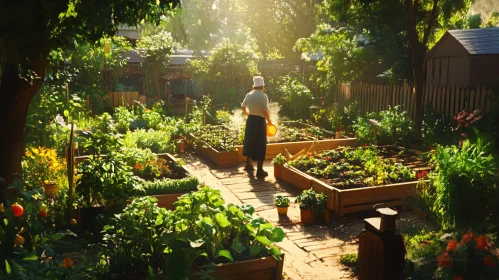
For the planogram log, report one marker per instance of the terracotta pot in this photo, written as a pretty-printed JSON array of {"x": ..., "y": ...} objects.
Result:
[
  {"x": 283, "y": 211},
  {"x": 51, "y": 189},
  {"x": 307, "y": 217},
  {"x": 338, "y": 135}
]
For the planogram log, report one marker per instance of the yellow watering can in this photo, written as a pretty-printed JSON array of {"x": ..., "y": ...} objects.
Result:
[{"x": 271, "y": 130}]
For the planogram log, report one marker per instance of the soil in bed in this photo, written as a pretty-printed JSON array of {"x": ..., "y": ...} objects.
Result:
[{"x": 363, "y": 167}]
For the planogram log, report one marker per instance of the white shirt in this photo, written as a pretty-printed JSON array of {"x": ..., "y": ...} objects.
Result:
[{"x": 256, "y": 102}]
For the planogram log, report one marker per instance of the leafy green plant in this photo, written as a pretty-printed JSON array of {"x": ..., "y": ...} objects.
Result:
[
  {"x": 350, "y": 260},
  {"x": 168, "y": 186},
  {"x": 134, "y": 241},
  {"x": 279, "y": 159},
  {"x": 106, "y": 180},
  {"x": 158, "y": 141},
  {"x": 281, "y": 201},
  {"x": 311, "y": 200},
  {"x": 223, "y": 117},
  {"x": 463, "y": 185},
  {"x": 123, "y": 117},
  {"x": 297, "y": 97},
  {"x": 205, "y": 231},
  {"x": 436, "y": 128},
  {"x": 395, "y": 127}
]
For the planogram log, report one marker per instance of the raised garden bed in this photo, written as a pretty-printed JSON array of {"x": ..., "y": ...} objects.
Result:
[
  {"x": 166, "y": 190},
  {"x": 266, "y": 268},
  {"x": 225, "y": 148},
  {"x": 358, "y": 181}
]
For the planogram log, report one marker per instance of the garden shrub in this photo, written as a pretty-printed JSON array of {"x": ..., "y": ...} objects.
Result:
[
  {"x": 349, "y": 116},
  {"x": 297, "y": 98},
  {"x": 392, "y": 128},
  {"x": 436, "y": 128},
  {"x": 463, "y": 187},
  {"x": 123, "y": 117}
]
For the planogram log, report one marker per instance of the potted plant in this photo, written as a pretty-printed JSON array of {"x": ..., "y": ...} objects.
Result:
[
  {"x": 282, "y": 204},
  {"x": 43, "y": 168},
  {"x": 278, "y": 161},
  {"x": 312, "y": 207}
]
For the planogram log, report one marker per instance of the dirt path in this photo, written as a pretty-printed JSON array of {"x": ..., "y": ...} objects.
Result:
[{"x": 312, "y": 252}]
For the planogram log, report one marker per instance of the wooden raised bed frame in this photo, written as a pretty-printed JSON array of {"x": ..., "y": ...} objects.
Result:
[
  {"x": 229, "y": 159},
  {"x": 164, "y": 200},
  {"x": 266, "y": 268},
  {"x": 351, "y": 200}
]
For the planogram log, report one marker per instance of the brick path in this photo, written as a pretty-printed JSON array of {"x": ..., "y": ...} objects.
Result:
[{"x": 312, "y": 252}]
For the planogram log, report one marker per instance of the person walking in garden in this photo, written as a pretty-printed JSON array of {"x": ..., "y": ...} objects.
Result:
[{"x": 256, "y": 106}]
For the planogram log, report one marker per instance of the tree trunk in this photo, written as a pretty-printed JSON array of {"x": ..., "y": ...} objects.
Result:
[
  {"x": 417, "y": 58},
  {"x": 15, "y": 97}
]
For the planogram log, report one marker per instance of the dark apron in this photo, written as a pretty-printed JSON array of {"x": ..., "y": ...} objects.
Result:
[{"x": 255, "y": 138}]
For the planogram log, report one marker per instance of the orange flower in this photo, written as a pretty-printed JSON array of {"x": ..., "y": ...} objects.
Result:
[
  {"x": 489, "y": 261},
  {"x": 457, "y": 278},
  {"x": 482, "y": 242},
  {"x": 468, "y": 236},
  {"x": 451, "y": 246},
  {"x": 444, "y": 260}
]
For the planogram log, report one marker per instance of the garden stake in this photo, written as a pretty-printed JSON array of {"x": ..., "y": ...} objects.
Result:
[{"x": 70, "y": 166}]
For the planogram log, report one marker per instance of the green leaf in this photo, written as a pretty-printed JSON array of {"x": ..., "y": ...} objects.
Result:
[
  {"x": 266, "y": 226},
  {"x": 7, "y": 267},
  {"x": 66, "y": 113},
  {"x": 31, "y": 257},
  {"x": 264, "y": 240},
  {"x": 256, "y": 249},
  {"x": 277, "y": 235},
  {"x": 275, "y": 252},
  {"x": 196, "y": 243},
  {"x": 222, "y": 220},
  {"x": 226, "y": 254},
  {"x": 238, "y": 247}
]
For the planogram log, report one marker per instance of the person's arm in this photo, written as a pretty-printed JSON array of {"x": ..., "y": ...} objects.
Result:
[
  {"x": 245, "y": 111},
  {"x": 267, "y": 116},
  {"x": 266, "y": 112}
]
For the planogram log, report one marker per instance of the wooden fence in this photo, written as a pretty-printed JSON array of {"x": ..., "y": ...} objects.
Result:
[
  {"x": 446, "y": 100},
  {"x": 117, "y": 98}
]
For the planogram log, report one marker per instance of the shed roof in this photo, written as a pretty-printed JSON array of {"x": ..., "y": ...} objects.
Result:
[{"x": 478, "y": 41}]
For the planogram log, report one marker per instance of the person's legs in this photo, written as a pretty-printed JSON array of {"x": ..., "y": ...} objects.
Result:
[
  {"x": 260, "y": 172},
  {"x": 249, "y": 164}
]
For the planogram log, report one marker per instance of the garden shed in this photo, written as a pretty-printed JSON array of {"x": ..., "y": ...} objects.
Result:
[{"x": 465, "y": 58}]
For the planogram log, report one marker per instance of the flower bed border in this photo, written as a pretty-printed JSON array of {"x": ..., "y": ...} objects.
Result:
[
  {"x": 352, "y": 200},
  {"x": 266, "y": 268},
  {"x": 231, "y": 158}
]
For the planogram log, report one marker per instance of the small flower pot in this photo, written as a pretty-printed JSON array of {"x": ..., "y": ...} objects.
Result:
[
  {"x": 51, "y": 189},
  {"x": 282, "y": 211},
  {"x": 338, "y": 135},
  {"x": 307, "y": 217}
]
